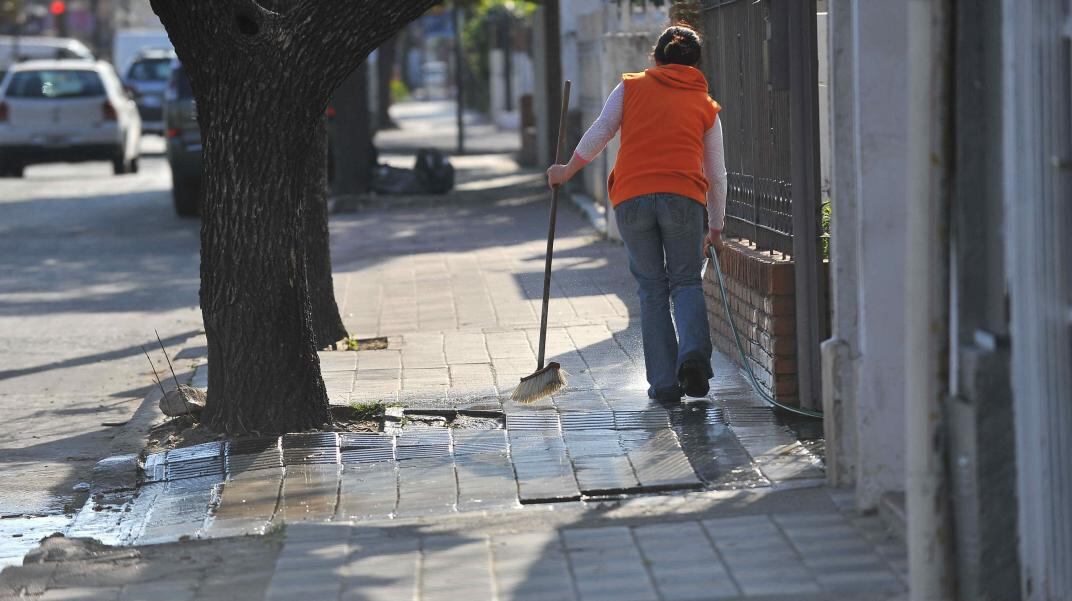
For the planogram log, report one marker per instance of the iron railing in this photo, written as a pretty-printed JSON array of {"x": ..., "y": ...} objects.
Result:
[{"x": 756, "y": 121}]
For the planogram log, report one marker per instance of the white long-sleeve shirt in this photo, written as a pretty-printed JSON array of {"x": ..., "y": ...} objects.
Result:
[{"x": 609, "y": 122}]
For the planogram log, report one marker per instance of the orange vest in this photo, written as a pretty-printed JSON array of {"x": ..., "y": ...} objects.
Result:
[{"x": 665, "y": 113}]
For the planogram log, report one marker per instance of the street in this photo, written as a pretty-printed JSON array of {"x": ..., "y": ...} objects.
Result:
[{"x": 92, "y": 264}]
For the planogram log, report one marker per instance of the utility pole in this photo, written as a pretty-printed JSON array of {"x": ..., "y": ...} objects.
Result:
[
  {"x": 459, "y": 79},
  {"x": 552, "y": 45},
  {"x": 352, "y": 137}
]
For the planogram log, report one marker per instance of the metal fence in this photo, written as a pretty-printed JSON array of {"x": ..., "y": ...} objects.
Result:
[{"x": 754, "y": 95}]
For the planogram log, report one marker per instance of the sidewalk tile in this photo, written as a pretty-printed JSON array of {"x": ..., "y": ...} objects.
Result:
[
  {"x": 455, "y": 567},
  {"x": 382, "y": 570},
  {"x": 531, "y": 567},
  {"x": 607, "y": 565},
  {"x": 368, "y": 491},
  {"x": 683, "y": 564},
  {"x": 309, "y": 492}
]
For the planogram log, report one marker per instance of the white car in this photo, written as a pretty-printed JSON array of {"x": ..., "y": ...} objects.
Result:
[
  {"x": 66, "y": 111},
  {"x": 14, "y": 50}
]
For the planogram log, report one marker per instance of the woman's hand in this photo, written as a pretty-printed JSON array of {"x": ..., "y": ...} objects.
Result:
[
  {"x": 558, "y": 175},
  {"x": 714, "y": 238}
]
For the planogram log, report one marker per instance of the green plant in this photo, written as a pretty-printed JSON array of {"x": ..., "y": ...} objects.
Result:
[
  {"x": 370, "y": 411},
  {"x": 824, "y": 226},
  {"x": 399, "y": 91},
  {"x": 483, "y": 20}
]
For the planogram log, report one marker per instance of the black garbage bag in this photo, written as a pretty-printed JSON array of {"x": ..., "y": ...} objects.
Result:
[
  {"x": 431, "y": 174},
  {"x": 434, "y": 171}
]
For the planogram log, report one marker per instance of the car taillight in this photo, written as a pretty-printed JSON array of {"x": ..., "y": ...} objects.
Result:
[
  {"x": 108, "y": 112},
  {"x": 173, "y": 132},
  {"x": 4, "y": 112}
]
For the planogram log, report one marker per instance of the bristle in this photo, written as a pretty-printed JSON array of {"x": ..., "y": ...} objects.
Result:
[{"x": 540, "y": 385}]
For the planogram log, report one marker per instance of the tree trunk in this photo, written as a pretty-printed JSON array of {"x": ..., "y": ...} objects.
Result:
[
  {"x": 262, "y": 73},
  {"x": 385, "y": 70},
  {"x": 327, "y": 323},
  {"x": 264, "y": 375}
]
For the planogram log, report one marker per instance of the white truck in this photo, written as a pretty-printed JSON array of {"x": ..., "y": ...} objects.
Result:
[{"x": 128, "y": 43}]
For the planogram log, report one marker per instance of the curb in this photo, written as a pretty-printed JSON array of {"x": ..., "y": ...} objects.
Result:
[{"x": 591, "y": 210}]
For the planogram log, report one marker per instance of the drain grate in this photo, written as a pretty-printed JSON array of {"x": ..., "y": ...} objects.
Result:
[
  {"x": 532, "y": 420},
  {"x": 310, "y": 449},
  {"x": 253, "y": 454},
  {"x": 588, "y": 420},
  {"x": 366, "y": 447}
]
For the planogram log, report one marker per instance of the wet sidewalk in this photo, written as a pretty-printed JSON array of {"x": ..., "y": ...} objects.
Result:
[{"x": 594, "y": 493}]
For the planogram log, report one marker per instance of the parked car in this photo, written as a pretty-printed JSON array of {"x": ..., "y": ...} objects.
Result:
[
  {"x": 17, "y": 49},
  {"x": 183, "y": 142},
  {"x": 147, "y": 76},
  {"x": 66, "y": 111},
  {"x": 128, "y": 43}
]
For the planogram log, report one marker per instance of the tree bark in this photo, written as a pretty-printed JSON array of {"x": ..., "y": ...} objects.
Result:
[
  {"x": 262, "y": 75},
  {"x": 327, "y": 323},
  {"x": 385, "y": 70}
]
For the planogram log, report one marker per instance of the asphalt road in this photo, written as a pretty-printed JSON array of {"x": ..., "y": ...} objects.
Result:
[{"x": 90, "y": 264}]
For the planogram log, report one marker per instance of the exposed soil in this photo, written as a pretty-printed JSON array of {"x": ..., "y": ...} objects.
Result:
[
  {"x": 186, "y": 431},
  {"x": 178, "y": 432}
]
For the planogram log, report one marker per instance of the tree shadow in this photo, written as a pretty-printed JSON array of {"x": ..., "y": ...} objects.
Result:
[{"x": 97, "y": 254}]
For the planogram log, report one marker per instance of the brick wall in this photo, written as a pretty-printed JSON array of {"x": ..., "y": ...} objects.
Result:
[{"x": 760, "y": 287}]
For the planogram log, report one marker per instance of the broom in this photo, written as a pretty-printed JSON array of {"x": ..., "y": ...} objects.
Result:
[{"x": 548, "y": 379}]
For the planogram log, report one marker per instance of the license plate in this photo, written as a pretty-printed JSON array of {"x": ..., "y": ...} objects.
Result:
[{"x": 51, "y": 140}]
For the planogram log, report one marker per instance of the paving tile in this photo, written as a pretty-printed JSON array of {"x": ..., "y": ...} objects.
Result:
[
  {"x": 607, "y": 565},
  {"x": 180, "y": 510},
  {"x": 334, "y": 361},
  {"x": 426, "y": 487},
  {"x": 309, "y": 492},
  {"x": 531, "y": 567},
  {"x": 381, "y": 570},
  {"x": 683, "y": 564},
  {"x": 485, "y": 481},
  {"x": 600, "y": 462},
  {"x": 247, "y": 503},
  {"x": 749, "y": 546},
  {"x": 368, "y": 491},
  {"x": 543, "y": 468},
  {"x": 658, "y": 461},
  {"x": 110, "y": 593},
  {"x": 455, "y": 567},
  {"x": 715, "y": 454}
]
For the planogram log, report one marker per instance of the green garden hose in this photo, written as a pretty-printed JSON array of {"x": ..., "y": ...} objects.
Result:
[{"x": 740, "y": 349}]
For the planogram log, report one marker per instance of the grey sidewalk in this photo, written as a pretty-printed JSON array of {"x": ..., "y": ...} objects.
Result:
[{"x": 595, "y": 493}]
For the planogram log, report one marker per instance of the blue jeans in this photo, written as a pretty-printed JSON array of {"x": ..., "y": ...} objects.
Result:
[{"x": 664, "y": 236}]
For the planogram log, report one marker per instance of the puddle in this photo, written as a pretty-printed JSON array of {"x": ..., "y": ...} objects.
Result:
[
  {"x": 19, "y": 535},
  {"x": 808, "y": 431}
]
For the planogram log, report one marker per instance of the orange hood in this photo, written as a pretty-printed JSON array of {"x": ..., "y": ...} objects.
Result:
[{"x": 674, "y": 76}]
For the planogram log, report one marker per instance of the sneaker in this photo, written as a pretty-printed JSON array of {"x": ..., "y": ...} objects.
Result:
[
  {"x": 691, "y": 377},
  {"x": 668, "y": 395}
]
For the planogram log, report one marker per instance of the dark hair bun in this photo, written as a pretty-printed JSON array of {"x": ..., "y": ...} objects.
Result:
[{"x": 678, "y": 45}]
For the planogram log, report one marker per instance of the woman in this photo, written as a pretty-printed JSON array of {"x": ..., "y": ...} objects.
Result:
[{"x": 669, "y": 167}]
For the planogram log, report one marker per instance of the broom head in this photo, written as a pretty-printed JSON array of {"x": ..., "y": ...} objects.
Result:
[{"x": 544, "y": 382}]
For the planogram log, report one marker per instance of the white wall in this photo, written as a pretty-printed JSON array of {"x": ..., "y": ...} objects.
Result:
[{"x": 870, "y": 167}]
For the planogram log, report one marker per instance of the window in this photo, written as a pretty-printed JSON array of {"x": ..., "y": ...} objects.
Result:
[
  {"x": 55, "y": 84},
  {"x": 155, "y": 69}
]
